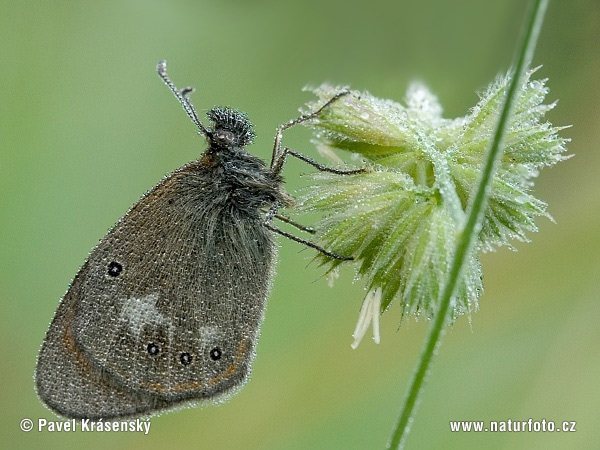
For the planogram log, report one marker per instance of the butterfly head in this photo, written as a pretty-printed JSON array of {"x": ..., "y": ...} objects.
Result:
[{"x": 231, "y": 128}]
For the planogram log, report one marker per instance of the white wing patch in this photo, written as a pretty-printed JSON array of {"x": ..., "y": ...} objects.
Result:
[
  {"x": 209, "y": 333},
  {"x": 142, "y": 311}
]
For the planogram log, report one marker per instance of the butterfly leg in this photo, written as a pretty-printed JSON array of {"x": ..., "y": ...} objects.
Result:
[
  {"x": 308, "y": 243},
  {"x": 303, "y": 118},
  {"x": 278, "y": 166},
  {"x": 273, "y": 213},
  {"x": 301, "y": 227}
]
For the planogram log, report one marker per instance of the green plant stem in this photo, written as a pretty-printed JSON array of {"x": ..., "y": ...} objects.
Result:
[{"x": 470, "y": 231}]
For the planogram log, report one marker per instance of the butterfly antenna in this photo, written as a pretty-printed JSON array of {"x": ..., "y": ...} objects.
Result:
[{"x": 182, "y": 96}]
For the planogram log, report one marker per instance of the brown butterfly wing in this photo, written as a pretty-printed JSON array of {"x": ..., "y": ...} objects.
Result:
[
  {"x": 166, "y": 309},
  {"x": 70, "y": 384}
]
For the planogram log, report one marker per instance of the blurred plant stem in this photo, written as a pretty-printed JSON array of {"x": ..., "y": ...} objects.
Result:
[{"x": 472, "y": 226}]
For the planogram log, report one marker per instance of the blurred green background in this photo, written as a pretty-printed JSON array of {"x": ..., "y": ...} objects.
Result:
[{"x": 86, "y": 127}]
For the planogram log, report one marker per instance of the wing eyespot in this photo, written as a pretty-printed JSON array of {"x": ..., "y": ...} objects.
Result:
[
  {"x": 115, "y": 269},
  {"x": 186, "y": 359},
  {"x": 215, "y": 354},
  {"x": 153, "y": 349}
]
